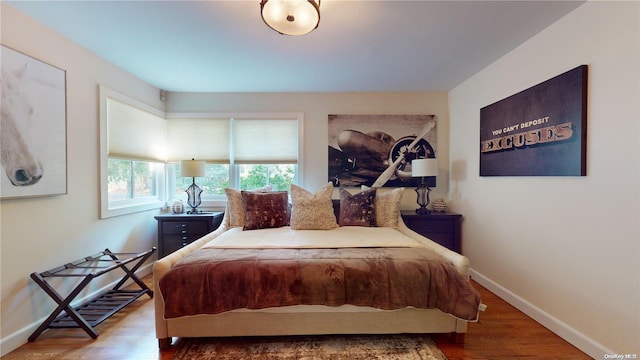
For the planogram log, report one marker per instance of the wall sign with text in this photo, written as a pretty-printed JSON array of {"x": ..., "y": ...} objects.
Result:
[{"x": 540, "y": 131}]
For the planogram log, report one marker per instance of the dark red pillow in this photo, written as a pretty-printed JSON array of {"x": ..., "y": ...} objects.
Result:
[
  {"x": 265, "y": 209},
  {"x": 357, "y": 209}
]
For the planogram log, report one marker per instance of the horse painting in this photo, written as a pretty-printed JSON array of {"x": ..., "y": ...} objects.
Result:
[
  {"x": 19, "y": 159},
  {"x": 33, "y": 127}
]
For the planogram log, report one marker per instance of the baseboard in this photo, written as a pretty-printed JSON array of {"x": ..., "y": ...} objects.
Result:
[
  {"x": 560, "y": 328},
  {"x": 20, "y": 337}
]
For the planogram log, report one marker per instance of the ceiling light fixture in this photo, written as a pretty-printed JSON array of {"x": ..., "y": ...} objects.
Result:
[{"x": 291, "y": 17}]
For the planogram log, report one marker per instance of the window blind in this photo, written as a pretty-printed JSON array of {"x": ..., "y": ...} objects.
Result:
[
  {"x": 200, "y": 139},
  {"x": 135, "y": 134},
  {"x": 269, "y": 141}
]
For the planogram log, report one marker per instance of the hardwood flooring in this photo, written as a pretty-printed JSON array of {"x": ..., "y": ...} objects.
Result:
[{"x": 503, "y": 332}]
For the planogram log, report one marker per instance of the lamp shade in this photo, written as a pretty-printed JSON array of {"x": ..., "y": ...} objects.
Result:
[
  {"x": 291, "y": 17},
  {"x": 192, "y": 168},
  {"x": 424, "y": 167}
]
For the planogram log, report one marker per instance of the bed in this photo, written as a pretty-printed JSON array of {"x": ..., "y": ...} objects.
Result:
[{"x": 312, "y": 267}]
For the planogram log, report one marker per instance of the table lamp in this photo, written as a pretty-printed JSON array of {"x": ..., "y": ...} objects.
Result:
[
  {"x": 421, "y": 168},
  {"x": 193, "y": 168}
]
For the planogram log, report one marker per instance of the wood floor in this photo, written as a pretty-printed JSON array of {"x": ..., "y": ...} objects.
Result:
[{"x": 502, "y": 333}]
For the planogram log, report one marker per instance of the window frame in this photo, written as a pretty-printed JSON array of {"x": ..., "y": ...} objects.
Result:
[
  {"x": 129, "y": 206},
  {"x": 220, "y": 201},
  {"x": 163, "y": 180}
]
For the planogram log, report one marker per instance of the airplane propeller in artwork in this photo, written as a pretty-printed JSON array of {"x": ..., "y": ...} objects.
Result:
[{"x": 388, "y": 173}]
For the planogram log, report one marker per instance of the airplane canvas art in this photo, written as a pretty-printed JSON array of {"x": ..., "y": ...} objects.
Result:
[{"x": 377, "y": 150}]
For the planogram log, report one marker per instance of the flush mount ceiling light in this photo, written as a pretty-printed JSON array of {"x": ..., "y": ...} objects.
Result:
[{"x": 291, "y": 17}]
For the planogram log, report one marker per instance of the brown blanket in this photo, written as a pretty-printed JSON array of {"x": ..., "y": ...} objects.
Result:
[{"x": 211, "y": 281}]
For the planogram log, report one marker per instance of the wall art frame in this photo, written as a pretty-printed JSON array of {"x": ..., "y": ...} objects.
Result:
[
  {"x": 374, "y": 150},
  {"x": 541, "y": 131},
  {"x": 33, "y": 132}
]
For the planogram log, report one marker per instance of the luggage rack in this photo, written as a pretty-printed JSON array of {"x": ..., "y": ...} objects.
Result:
[{"x": 96, "y": 310}]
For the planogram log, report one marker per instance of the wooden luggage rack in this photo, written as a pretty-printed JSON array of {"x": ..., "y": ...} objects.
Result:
[{"x": 96, "y": 310}]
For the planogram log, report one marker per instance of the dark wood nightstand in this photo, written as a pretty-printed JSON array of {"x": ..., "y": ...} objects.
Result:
[
  {"x": 445, "y": 228},
  {"x": 176, "y": 231}
]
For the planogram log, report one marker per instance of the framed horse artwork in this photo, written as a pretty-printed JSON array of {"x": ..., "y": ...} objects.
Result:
[{"x": 33, "y": 138}]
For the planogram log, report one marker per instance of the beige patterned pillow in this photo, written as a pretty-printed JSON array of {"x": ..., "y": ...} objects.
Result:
[
  {"x": 235, "y": 206},
  {"x": 387, "y": 205},
  {"x": 312, "y": 211}
]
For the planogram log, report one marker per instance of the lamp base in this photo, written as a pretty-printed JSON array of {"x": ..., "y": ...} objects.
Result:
[
  {"x": 193, "y": 197},
  {"x": 423, "y": 198}
]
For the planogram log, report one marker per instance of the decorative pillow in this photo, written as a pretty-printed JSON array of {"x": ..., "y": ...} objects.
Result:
[
  {"x": 265, "y": 209},
  {"x": 235, "y": 207},
  {"x": 357, "y": 209},
  {"x": 387, "y": 207},
  {"x": 312, "y": 211}
]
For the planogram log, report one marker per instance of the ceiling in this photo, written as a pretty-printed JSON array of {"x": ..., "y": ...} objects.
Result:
[{"x": 224, "y": 46}]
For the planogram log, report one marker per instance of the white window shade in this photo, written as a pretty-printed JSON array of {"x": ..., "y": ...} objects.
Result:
[
  {"x": 200, "y": 139},
  {"x": 268, "y": 141},
  {"x": 134, "y": 133}
]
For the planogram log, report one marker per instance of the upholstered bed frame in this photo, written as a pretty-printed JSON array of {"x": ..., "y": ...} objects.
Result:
[{"x": 304, "y": 319}]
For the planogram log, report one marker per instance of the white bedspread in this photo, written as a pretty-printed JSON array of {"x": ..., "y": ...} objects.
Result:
[{"x": 284, "y": 237}]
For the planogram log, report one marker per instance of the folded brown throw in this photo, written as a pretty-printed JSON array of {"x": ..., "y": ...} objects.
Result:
[{"x": 211, "y": 281}]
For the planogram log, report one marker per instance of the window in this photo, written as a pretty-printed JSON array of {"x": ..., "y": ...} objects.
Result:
[
  {"x": 131, "y": 180},
  {"x": 213, "y": 185},
  {"x": 242, "y": 152},
  {"x": 279, "y": 176},
  {"x": 132, "y": 153},
  {"x": 141, "y": 147}
]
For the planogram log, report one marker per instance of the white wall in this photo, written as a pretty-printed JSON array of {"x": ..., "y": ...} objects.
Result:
[
  {"x": 316, "y": 107},
  {"x": 563, "y": 249},
  {"x": 40, "y": 233}
]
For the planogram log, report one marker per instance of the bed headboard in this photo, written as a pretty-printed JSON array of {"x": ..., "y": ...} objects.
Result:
[{"x": 336, "y": 208}]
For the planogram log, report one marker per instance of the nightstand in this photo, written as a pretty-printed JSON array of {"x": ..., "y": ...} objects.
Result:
[
  {"x": 176, "y": 231},
  {"x": 445, "y": 228}
]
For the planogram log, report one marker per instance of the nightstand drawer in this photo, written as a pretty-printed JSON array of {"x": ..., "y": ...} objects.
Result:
[
  {"x": 178, "y": 241},
  {"x": 443, "y": 228},
  {"x": 431, "y": 227},
  {"x": 446, "y": 240},
  {"x": 184, "y": 227}
]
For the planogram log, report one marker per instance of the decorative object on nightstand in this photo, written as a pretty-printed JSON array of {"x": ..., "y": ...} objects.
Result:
[
  {"x": 193, "y": 168},
  {"x": 177, "y": 207},
  {"x": 439, "y": 205},
  {"x": 421, "y": 168},
  {"x": 291, "y": 17}
]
